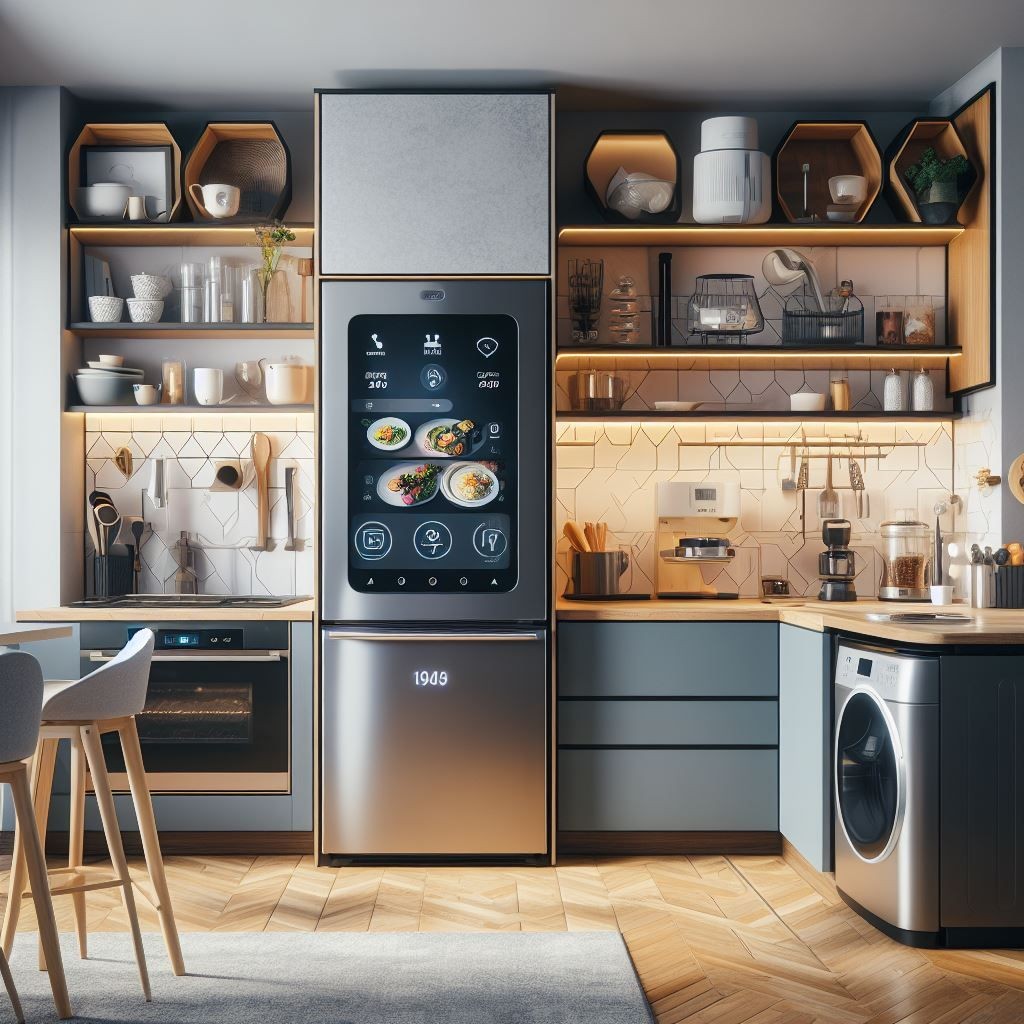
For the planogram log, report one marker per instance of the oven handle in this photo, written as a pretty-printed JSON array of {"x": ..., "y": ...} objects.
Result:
[
  {"x": 431, "y": 637},
  {"x": 214, "y": 656}
]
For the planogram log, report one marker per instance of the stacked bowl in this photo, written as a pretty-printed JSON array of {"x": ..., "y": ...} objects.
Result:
[
  {"x": 107, "y": 381},
  {"x": 150, "y": 291}
]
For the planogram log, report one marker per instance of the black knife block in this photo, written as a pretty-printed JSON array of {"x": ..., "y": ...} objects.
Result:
[
  {"x": 1010, "y": 586},
  {"x": 111, "y": 575}
]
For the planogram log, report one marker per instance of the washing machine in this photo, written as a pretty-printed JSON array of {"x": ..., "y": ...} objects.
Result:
[{"x": 886, "y": 788}]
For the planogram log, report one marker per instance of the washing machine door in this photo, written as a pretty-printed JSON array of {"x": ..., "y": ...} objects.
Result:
[{"x": 869, "y": 779}]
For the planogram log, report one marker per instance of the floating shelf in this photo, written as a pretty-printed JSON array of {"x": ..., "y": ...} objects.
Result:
[
  {"x": 759, "y": 234},
  {"x": 879, "y": 352},
  {"x": 228, "y": 332},
  {"x": 207, "y": 234},
  {"x": 208, "y": 410},
  {"x": 651, "y": 415}
]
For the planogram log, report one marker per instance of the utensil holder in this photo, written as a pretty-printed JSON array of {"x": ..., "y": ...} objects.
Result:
[
  {"x": 1010, "y": 586},
  {"x": 111, "y": 575},
  {"x": 803, "y": 325}
]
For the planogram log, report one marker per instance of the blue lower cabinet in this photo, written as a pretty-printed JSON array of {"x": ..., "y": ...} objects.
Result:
[{"x": 635, "y": 790}]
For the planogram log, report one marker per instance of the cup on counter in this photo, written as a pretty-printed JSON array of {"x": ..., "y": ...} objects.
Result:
[
  {"x": 146, "y": 394},
  {"x": 137, "y": 208},
  {"x": 941, "y": 594},
  {"x": 208, "y": 385}
]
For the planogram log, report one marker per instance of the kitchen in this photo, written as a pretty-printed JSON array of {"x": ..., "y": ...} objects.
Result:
[{"x": 715, "y": 582}]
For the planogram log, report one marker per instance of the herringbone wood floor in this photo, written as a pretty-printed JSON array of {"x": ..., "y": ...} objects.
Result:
[{"x": 715, "y": 940}]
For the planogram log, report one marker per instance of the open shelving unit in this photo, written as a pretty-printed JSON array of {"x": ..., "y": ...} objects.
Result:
[
  {"x": 227, "y": 332},
  {"x": 652, "y": 415},
  {"x": 759, "y": 234},
  {"x": 209, "y": 410}
]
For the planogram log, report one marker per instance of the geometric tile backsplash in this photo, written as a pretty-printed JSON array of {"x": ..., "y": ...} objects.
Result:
[
  {"x": 608, "y": 471},
  {"x": 221, "y": 525}
]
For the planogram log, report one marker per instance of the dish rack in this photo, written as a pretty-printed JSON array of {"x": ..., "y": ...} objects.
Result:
[{"x": 840, "y": 323}]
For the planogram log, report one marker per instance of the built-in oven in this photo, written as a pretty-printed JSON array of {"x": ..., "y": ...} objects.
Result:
[{"x": 217, "y": 715}]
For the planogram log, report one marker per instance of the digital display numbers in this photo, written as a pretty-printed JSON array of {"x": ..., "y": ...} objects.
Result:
[{"x": 430, "y": 677}]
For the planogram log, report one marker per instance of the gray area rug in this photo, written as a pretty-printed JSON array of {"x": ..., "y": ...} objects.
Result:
[{"x": 346, "y": 978}]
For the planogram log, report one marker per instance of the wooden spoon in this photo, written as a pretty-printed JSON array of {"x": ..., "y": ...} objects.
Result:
[
  {"x": 577, "y": 538},
  {"x": 591, "y": 533},
  {"x": 261, "y": 463}
]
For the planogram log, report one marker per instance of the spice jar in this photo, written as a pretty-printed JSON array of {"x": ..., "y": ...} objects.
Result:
[
  {"x": 892, "y": 392},
  {"x": 922, "y": 392},
  {"x": 172, "y": 373}
]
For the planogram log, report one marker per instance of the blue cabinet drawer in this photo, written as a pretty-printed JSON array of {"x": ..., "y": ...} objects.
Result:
[
  {"x": 667, "y": 790},
  {"x": 663, "y": 659},
  {"x": 668, "y": 722}
]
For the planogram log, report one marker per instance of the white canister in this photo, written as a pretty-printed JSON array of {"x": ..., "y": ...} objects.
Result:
[
  {"x": 208, "y": 385},
  {"x": 287, "y": 383},
  {"x": 922, "y": 392},
  {"x": 892, "y": 392}
]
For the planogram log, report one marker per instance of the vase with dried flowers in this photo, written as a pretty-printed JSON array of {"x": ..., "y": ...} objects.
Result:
[{"x": 271, "y": 238}]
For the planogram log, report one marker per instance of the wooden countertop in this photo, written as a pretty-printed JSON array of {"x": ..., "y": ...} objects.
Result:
[
  {"x": 301, "y": 612},
  {"x": 12, "y": 633},
  {"x": 988, "y": 626}
]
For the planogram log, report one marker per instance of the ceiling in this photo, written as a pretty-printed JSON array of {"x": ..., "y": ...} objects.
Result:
[{"x": 714, "y": 54}]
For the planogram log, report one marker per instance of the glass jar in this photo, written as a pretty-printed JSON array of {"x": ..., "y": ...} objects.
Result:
[
  {"x": 724, "y": 306},
  {"x": 906, "y": 558},
  {"x": 888, "y": 320},
  {"x": 919, "y": 320}
]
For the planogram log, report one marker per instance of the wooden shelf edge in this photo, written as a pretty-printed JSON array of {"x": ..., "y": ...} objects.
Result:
[
  {"x": 647, "y": 415},
  {"x": 293, "y": 331},
  {"x": 759, "y": 234},
  {"x": 762, "y": 351},
  {"x": 192, "y": 410},
  {"x": 179, "y": 233}
]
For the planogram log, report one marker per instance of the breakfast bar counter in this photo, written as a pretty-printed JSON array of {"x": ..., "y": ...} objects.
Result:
[{"x": 300, "y": 612}]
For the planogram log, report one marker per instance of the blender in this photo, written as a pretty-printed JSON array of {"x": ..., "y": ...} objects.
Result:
[
  {"x": 837, "y": 565},
  {"x": 906, "y": 558}
]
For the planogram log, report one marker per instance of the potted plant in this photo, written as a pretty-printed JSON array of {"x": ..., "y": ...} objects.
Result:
[{"x": 936, "y": 185}]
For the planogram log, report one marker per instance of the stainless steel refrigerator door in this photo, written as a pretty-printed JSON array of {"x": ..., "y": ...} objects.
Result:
[
  {"x": 434, "y": 744},
  {"x": 527, "y": 302}
]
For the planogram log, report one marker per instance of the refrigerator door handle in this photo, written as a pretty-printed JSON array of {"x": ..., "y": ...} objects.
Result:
[{"x": 333, "y": 634}]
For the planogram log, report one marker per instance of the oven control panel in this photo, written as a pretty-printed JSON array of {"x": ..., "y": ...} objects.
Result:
[{"x": 196, "y": 639}]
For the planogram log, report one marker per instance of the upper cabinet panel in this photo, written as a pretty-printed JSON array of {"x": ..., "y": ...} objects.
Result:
[{"x": 432, "y": 184}]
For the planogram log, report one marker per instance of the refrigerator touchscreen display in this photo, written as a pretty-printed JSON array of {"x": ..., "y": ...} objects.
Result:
[{"x": 432, "y": 455}]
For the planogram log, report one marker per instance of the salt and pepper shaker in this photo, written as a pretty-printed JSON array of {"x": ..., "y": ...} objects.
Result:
[
  {"x": 922, "y": 392},
  {"x": 892, "y": 392}
]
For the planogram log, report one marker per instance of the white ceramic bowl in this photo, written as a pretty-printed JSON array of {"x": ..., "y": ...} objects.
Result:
[
  {"x": 105, "y": 199},
  {"x": 151, "y": 286},
  {"x": 807, "y": 401},
  {"x": 112, "y": 360},
  {"x": 146, "y": 394},
  {"x": 104, "y": 390},
  {"x": 105, "y": 309},
  {"x": 849, "y": 189},
  {"x": 145, "y": 311}
]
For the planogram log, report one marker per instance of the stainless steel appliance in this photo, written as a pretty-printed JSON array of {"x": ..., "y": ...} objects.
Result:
[
  {"x": 218, "y": 711},
  {"x": 837, "y": 565},
  {"x": 886, "y": 776},
  {"x": 435, "y": 568},
  {"x": 597, "y": 573}
]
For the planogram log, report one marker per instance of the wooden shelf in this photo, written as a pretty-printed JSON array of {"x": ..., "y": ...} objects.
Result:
[
  {"x": 651, "y": 415},
  {"x": 881, "y": 352},
  {"x": 227, "y": 332},
  {"x": 205, "y": 234},
  {"x": 210, "y": 410},
  {"x": 759, "y": 234}
]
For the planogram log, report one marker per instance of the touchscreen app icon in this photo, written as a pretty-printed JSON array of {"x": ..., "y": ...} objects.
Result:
[{"x": 487, "y": 347}]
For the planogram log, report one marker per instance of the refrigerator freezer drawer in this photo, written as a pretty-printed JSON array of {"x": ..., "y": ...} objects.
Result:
[{"x": 435, "y": 744}]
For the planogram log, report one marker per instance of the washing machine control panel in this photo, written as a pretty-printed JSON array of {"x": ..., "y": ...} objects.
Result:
[{"x": 901, "y": 678}]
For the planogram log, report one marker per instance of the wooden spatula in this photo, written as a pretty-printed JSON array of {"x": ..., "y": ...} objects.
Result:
[
  {"x": 577, "y": 538},
  {"x": 261, "y": 464}
]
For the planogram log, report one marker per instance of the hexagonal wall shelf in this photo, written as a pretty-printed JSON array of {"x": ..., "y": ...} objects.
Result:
[{"x": 648, "y": 151}]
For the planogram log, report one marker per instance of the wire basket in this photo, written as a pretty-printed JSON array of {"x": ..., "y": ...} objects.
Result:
[
  {"x": 724, "y": 307},
  {"x": 840, "y": 323}
]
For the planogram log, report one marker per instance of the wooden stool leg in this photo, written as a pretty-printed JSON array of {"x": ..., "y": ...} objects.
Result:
[
  {"x": 41, "y": 794},
  {"x": 12, "y": 992},
  {"x": 36, "y": 867},
  {"x": 108, "y": 814},
  {"x": 143, "y": 802},
  {"x": 76, "y": 840}
]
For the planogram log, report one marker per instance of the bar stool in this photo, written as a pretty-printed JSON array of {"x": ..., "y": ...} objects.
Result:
[
  {"x": 21, "y": 690},
  {"x": 106, "y": 700}
]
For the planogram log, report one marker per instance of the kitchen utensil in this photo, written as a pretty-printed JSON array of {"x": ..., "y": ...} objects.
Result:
[
  {"x": 249, "y": 377},
  {"x": 828, "y": 499},
  {"x": 597, "y": 573},
  {"x": 577, "y": 538},
  {"x": 287, "y": 382},
  {"x": 724, "y": 305},
  {"x": 108, "y": 526},
  {"x": 837, "y": 565},
  {"x": 857, "y": 486},
  {"x": 106, "y": 199},
  {"x": 153, "y": 287},
  {"x": 147, "y": 394},
  {"x": 789, "y": 482},
  {"x": 783, "y": 267},
  {"x": 208, "y": 385},
  {"x": 172, "y": 372},
  {"x": 305, "y": 269},
  {"x": 602, "y": 536},
  {"x": 586, "y": 285},
  {"x": 291, "y": 501},
  {"x": 261, "y": 463},
  {"x": 157, "y": 489},
  {"x": 590, "y": 531},
  {"x": 145, "y": 311},
  {"x": 804, "y": 476},
  {"x": 191, "y": 295},
  {"x": 951, "y": 617},
  {"x": 105, "y": 309},
  {"x": 848, "y": 189},
  {"x": 939, "y": 509},
  {"x": 807, "y": 401},
  {"x": 186, "y": 581},
  {"x": 227, "y": 476},
  {"x": 805, "y": 170},
  {"x": 906, "y": 556},
  {"x": 104, "y": 390},
  {"x": 123, "y": 461},
  {"x": 138, "y": 528},
  {"x": 217, "y": 201},
  {"x": 663, "y": 328}
]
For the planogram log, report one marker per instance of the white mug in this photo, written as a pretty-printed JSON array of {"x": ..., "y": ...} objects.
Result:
[
  {"x": 208, "y": 385},
  {"x": 137, "y": 208},
  {"x": 848, "y": 189},
  {"x": 218, "y": 200},
  {"x": 287, "y": 383}
]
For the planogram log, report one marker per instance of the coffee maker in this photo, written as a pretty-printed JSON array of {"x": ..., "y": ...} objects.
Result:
[{"x": 837, "y": 565}]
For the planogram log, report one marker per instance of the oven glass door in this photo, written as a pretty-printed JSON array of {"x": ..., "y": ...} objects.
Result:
[{"x": 213, "y": 724}]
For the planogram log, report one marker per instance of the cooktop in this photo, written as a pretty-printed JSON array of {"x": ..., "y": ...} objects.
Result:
[{"x": 190, "y": 601}]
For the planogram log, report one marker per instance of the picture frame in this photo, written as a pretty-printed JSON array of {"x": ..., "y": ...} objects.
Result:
[{"x": 147, "y": 170}]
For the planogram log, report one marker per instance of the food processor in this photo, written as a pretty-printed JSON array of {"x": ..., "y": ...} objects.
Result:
[{"x": 906, "y": 558}]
